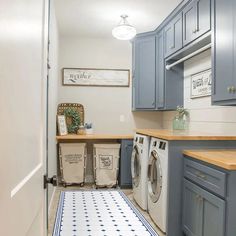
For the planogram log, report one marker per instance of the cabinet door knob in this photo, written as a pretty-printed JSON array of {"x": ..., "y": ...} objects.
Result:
[
  {"x": 172, "y": 47},
  {"x": 200, "y": 175},
  {"x": 199, "y": 198},
  {"x": 194, "y": 31},
  {"x": 231, "y": 89}
]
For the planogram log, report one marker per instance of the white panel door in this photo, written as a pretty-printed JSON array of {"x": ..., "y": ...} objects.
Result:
[{"x": 22, "y": 119}]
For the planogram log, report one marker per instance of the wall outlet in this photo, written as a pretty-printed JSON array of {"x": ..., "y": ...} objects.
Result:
[{"x": 122, "y": 118}]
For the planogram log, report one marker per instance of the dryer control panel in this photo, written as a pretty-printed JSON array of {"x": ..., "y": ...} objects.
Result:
[
  {"x": 162, "y": 145},
  {"x": 141, "y": 140}
]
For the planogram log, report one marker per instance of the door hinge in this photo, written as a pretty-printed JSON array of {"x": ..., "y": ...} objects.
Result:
[{"x": 52, "y": 180}]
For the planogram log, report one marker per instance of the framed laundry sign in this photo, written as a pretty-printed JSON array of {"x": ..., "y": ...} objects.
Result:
[
  {"x": 96, "y": 77},
  {"x": 201, "y": 84},
  {"x": 61, "y": 123}
]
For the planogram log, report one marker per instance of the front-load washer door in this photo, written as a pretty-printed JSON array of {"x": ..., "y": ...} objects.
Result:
[
  {"x": 154, "y": 177},
  {"x": 135, "y": 166}
]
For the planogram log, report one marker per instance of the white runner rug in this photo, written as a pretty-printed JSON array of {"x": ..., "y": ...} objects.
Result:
[{"x": 99, "y": 213}]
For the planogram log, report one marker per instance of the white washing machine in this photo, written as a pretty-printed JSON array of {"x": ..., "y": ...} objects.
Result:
[
  {"x": 139, "y": 164},
  {"x": 158, "y": 181}
]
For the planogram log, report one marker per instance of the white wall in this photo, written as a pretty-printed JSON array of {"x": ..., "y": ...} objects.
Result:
[
  {"x": 53, "y": 97},
  {"x": 103, "y": 105},
  {"x": 203, "y": 116}
]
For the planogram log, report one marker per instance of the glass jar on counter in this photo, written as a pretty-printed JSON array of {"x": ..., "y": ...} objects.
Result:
[{"x": 81, "y": 130}]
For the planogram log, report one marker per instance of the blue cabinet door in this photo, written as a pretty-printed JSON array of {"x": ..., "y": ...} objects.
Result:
[
  {"x": 145, "y": 73},
  {"x": 160, "y": 71},
  {"x": 125, "y": 178},
  {"x": 203, "y": 9},
  {"x": 173, "y": 35},
  {"x": 223, "y": 53},
  {"x": 189, "y": 23},
  {"x": 203, "y": 212},
  {"x": 196, "y": 20},
  {"x": 192, "y": 210},
  {"x": 213, "y": 214}
]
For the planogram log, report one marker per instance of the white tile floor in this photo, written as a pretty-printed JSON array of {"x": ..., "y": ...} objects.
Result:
[{"x": 56, "y": 200}]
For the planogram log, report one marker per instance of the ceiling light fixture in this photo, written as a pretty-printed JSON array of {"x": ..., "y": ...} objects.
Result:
[{"x": 124, "y": 31}]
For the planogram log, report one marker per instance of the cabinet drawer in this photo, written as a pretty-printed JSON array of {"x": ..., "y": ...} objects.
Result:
[{"x": 210, "y": 178}]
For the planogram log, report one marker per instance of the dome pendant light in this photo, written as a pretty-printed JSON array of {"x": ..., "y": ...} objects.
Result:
[{"x": 124, "y": 31}]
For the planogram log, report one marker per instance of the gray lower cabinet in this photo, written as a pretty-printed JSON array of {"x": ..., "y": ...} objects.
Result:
[
  {"x": 173, "y": 35},
  {"x": 223, "y": 53},
  {"x": 203, "y": 212},
  {"x": 125, "y": 178},
  {"x": 196, "y": 20},
  {"x": 144, "y": 78},
  {"x": 209, "y": 199}
]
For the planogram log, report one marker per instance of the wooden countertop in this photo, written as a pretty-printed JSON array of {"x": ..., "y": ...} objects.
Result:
[
  {"x": 183, "y": 135},
  {"x": 225, "y": 159},
  {"x": 75, "y": 137}
]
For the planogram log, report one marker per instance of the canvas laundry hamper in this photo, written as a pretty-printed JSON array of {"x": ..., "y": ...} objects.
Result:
[
  {"x": 72, "y": 163},
  {"x": 106, "y": 164}
]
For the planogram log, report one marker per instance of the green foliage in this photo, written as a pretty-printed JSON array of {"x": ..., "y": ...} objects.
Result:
[
  {"x": 181, "y": 112},
  {"x": 74, "y": 115}
]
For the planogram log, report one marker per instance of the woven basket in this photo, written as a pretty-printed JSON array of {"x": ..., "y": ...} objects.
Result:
[{"x": 78, "y": 107}]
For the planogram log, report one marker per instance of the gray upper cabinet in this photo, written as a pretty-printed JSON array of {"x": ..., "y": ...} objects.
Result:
[
  {"x": 203, "y": 16},
  {"x": 196, "y": 20},
  {"x": 160, "y": 71},
  {"x": 153, "y": 87},
  {"x": 203, "y": 212},
  {"x": 144, "y": 83},
  {"x": 189, "y": 23},
  {"x": 173, "y": 35},
  {"x": 223, "y": 53}
]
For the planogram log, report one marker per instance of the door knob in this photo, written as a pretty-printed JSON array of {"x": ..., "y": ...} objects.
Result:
[{"x": 52, "y": 180}]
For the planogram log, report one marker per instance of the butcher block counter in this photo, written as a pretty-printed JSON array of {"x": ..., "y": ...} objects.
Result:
[
  {"x": 225, "y": 159},
  {"x": 75, "y": 137},
  {"x": 183, "y": 135}
]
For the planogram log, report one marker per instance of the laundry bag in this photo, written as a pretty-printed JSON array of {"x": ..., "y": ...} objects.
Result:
[
  {"x": 106, "y": 164},
  {"x": 72, "y": 163}
]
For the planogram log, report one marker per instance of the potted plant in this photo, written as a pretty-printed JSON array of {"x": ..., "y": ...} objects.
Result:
[
  {"x": 180, "y": 119},
  {"x": 89, "y": 128}
]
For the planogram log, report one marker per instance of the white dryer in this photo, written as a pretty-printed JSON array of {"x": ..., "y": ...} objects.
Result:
[
  {"x": 139, "y": 164},
  {"x": 158, "y": 182}
]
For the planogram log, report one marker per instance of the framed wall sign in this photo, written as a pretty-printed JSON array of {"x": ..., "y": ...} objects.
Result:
[
  {"x": 61, "y": 122},
  {"x": 96, "y": 77},
  {"x": 201, "y": 84}
]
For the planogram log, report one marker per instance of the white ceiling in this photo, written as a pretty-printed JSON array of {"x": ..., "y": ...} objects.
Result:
[{"x": 96, "y": 18}]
